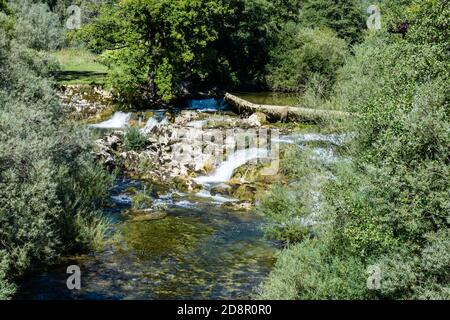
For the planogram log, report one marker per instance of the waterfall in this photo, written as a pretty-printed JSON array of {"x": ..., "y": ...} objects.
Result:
[
  {"x": 118, "y": 121},
  {"x": 157, "y": 120},
  {"x": 224, "y": 172}
]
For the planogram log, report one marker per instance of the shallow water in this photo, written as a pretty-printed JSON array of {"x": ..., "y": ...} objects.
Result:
[{"x": 199, "y": 251}]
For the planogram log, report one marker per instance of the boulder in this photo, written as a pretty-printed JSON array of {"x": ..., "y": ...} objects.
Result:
[
  {"x": 257, "y": 119},
  {"x": 147, "y": 215},
  {"x": 222, "y": 189}
]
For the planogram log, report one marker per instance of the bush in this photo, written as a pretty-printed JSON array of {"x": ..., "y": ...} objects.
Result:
[
  {"x": 50, "y": 189},
  {"x": 290, "y": 209},
  {"x": 304, "y": 55},
  {"x": 307, "y": 271},
  {"x": 134, "y": 139},
  {"x": 345, "y": 17},
  {"x": 142, "y": 201},
  {"x": 390, "y": 207},
  {"x": 36, "y": 26}
]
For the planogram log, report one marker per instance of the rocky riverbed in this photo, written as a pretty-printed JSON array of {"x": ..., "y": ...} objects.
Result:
[{"x": 182, "y": 209}]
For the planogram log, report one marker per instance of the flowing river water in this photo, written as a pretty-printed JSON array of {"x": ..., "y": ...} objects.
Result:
[{"x": 200, "y": 250}]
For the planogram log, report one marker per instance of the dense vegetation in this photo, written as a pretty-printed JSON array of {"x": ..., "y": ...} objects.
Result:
[
  {"x": 50, "y": 188},
  {"x": 386, "y": 213},
  {"x": 158, "y": 50}
]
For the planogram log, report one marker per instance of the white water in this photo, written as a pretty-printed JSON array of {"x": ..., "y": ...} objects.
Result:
[
  {"x": 225, "y": 171},
  {"x": 118, "y": 121},
  {"x": 216, "y": 198},
  {"x": 313, "y": 137},
  {"x": 196, "y": 124},
  {"x": 122, "y": 199},
  {"x": 154, "y": 122}
]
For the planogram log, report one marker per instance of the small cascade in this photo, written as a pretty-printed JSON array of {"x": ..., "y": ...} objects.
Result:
[
  {"x": 158, "y": 120},
  {"x": 217, "y": 198},
  {"x": 225, "y": 171},
  {"x": 118, "y": 121}
]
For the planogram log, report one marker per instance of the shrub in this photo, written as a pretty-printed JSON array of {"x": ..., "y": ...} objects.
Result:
[
  {"x": 306, "y": 271},
  {"x": 303, "y": 55},
  {"x": 390, "y": 207},
  {"x": 345, "y": 17},
  {"x": 142, "y": 201},
  {"x": 50, "y": 188},
  {"x": 134, "y": 139},
  {"x": 36, "y": 26}
]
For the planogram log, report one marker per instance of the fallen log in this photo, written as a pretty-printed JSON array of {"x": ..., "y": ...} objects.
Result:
[{"x": 284, "y": 113}]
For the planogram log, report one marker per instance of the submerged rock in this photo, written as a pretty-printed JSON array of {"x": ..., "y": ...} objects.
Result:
[{"x": 147, "y": 215}]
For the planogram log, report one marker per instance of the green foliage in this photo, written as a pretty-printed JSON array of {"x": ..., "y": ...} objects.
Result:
[
  {"x": 36, "y": 26},
  {"x": 155, "y": 44},
  {"x": 343, "y": 16},
  {"x": 50, "y": 190},
  {"x": 390, "y": 207},
  {"x": 418, "y": 273},
  {"x": 157, "y": 49},
  {"x": 4, "y": 6},
  {"x": 288, "y": 208},
  {"x": 134, "y": 139},
  {"x": 142, "y": 201},
  {"x": 307, "y": 271},
  {"x": 7, "y": 289},
  {"x": 304, "y": 55}
]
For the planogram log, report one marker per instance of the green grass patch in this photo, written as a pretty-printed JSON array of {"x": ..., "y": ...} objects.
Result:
[{"x": 79, "y": 66}]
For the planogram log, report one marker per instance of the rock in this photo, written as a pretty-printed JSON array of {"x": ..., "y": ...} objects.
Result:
[
  {"x": 244, "y": 192},
  {"x": 112, "y": 141},
  {"x": 147, "y": 215},
  {"x": 222, "y": 189},
  {"x": 257, "y": 119},
  {"x": 239, "y": 206}
]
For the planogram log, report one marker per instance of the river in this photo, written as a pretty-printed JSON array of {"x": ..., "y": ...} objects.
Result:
[{"x": 202, "y": 249}]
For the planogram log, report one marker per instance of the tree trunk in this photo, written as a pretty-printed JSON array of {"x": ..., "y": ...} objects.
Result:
[{"x": 151, "y": 83}]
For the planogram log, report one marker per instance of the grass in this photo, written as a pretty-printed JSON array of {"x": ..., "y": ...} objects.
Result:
[{"x": 79, "y": 66}]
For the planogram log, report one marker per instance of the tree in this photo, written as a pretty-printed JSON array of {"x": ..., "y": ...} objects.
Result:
[
  {"x": 167, "y": 39},
  {"x": 303, "y": 55},
  {"x": 343, "y": 16},
  {"x": 37, "y": 27}
]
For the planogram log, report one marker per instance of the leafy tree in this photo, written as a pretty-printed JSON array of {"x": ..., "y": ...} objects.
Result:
[
  {"x": 303, "y": 54},
  {"x": 343, "y": 16},
  {"x": 157, "y": 43}
]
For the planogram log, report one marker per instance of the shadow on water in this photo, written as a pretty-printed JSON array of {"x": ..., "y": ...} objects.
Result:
[{"x": 199, "y": 251}]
